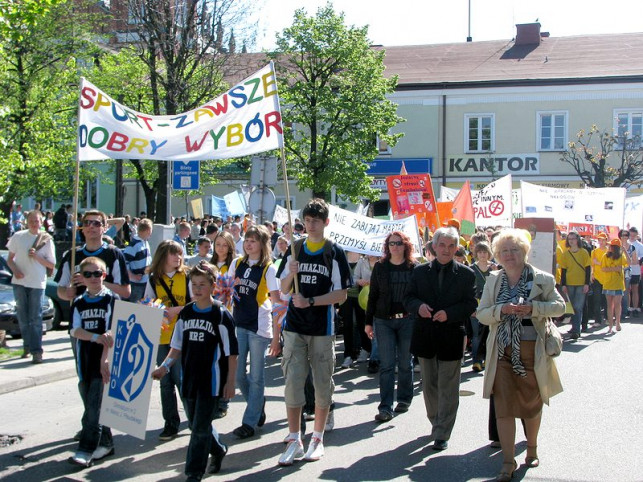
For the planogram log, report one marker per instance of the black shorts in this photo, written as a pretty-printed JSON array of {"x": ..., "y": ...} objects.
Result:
[{"x": 635, "y": 279}]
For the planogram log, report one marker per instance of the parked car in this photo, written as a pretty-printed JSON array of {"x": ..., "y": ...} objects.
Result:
[
  {"x": 53, "y": 308},
  {"x": 9, "y": 317}
]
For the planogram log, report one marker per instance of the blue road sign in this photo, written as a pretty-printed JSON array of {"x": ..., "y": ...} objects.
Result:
[
  {"x": 391, "y": 167},
  {"x": 185, "y": 175}
]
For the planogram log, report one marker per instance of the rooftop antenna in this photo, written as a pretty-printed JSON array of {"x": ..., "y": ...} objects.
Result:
[{"x": 469, "y": 39}]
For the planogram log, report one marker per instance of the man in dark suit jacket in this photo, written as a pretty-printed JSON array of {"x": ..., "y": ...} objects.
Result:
[{"x": 441, "y": 296}]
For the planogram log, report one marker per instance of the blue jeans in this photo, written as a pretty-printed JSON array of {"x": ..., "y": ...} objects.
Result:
[
  {"x": 394, "y": 341},
  {"x": 251, "y": 384},
  {"x": 475, "y": 339},
  {"x": 137, "y": 293},
  {"x": 577, "y": 297},
  {"x": 169, "y": 406},
  {"x": 200, "y": 412},
  {"x": 29, "y": 311},
  {"x": 93, "y": 434}
]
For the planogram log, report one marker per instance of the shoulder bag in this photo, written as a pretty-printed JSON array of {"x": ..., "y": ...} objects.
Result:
[{"x": 553, "y": 339}]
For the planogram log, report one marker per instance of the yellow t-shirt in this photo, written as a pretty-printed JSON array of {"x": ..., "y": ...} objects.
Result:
[
  {"x": 575, "y": 269},
  {"x": 178, "y": 285},
  {"x": 614, "y": 280},
  {"x": 314, "y": 247},
  {"x": 597, "y": 256}
]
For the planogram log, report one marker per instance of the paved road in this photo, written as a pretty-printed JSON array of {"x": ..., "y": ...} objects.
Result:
[{"x": 591, "y": 432}]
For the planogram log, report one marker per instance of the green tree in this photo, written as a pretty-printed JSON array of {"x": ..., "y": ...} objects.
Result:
[
  {"x": 602, "y": 159},
  {"x": 333, "y": 99},
  {"x": 181, "y": 44},
  {"x": 39, "y": 43}
]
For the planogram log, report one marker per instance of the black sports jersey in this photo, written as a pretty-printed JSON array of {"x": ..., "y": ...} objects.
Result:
[
  {"x": 93, "y": 314},
  {"x": 316, "y": 279},
  {"x": 111, "y": 255},
  {"x": 252, "y": 291},
  {"x": 206, "y": 340}
]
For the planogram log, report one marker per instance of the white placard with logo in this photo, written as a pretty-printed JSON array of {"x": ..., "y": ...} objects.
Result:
[{"x": 126, "y": 400}]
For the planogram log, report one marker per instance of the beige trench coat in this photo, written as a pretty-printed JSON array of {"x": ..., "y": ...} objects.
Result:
[{"x": 546, "y": 303}]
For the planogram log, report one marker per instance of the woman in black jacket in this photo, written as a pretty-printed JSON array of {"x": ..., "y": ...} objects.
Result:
[{"x": 393, "y": 326}]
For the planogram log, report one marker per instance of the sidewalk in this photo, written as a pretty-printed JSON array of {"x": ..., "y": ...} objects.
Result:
[{"x": 58, "y": 364}]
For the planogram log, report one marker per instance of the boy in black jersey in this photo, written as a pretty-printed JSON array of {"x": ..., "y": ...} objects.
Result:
[
  {"x": 205, "y": 341},
  {"x": 309, "y": 327},
  {"x": 91, "y": 321}
]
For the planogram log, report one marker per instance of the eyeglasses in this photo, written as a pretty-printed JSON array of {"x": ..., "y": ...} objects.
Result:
[
  {"x": 92, "y": 222},
  {"x": 395, "y": 243},
  {"x": 513, "y": 251},
  {"x": 95, "y": 274}
]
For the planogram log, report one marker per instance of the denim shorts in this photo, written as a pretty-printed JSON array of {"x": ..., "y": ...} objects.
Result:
[{"x": 613, "y": 292}]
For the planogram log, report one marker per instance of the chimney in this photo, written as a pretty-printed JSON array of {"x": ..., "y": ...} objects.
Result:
[{"x": 527, "y": 34}]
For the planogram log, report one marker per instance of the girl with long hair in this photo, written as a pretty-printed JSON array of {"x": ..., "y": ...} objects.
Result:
[
  {"x": 257, "y": 289},
  {"x": 613, "y": 264},
  {"x": 168, "y": 282},
  {"x": 223, "y": 251}
]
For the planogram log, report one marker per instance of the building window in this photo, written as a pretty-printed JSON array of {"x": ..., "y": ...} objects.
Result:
[
  {"x": 479, "y": 132},
  {"x": 88, "y": 194},
  {"x": 552, "y": 131},
  {"x": 383, "y": 148},
  {"x": 629, "y": 126}
]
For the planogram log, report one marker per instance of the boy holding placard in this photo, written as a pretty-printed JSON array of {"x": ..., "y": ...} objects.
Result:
[{"x": 91, "y": 321}]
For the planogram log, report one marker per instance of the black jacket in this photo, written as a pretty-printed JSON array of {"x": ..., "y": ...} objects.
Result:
[
  {"x": 457, "y": 299},
  {"x": 379, "y": 296}
]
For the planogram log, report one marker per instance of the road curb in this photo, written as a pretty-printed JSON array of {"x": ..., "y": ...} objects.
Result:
[{"x": 32, "y": 381}]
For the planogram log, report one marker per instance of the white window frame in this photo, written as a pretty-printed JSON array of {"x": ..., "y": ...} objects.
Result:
[
  {"x": 281, "y": 200},
  {"x": 383, "y": 147},
  {"x": 630, "y": 114},
  {"x": 539, "y": 130},
  {"x": 492, "y": 139},
  {"x": 85, "y": 197}
]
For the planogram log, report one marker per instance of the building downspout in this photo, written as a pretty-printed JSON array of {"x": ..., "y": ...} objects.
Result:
[{"x": 444, "y": 139}]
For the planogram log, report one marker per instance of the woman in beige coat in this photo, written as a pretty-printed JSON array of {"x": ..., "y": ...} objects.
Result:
[{"x": 516, "y": 304}]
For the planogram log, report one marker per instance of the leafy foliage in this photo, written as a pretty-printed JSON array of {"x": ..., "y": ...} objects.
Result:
[
  {"x": 334, "y": 103},
  {"x": 601, "y": 159}
]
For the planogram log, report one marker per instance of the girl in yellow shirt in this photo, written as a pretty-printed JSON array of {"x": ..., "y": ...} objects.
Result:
[{"x": 613, "y": 277}]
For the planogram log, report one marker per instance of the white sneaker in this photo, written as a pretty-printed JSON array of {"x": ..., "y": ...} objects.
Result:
[
  {"x": 289, "y": 438},
  {"x": 348, "y": 361},
  {"x": 102, "y": 452},
  {"x": 363, "y": 356},
  {"x": 294, "y": 451},
  {"x": 315, "y": 450},
  {"x": 330, "y": 422}
]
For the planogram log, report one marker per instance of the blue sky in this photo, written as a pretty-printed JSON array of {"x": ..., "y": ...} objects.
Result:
[{"x": 412, "y": 22}]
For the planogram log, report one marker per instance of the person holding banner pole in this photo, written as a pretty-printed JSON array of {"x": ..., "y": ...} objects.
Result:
[
  {"x": 205, "y": 343},
  {"x": 168, "y": 282},
  {"x": 575, "y": 278}
]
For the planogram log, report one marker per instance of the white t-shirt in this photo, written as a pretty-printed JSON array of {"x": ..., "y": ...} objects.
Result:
[
  {"x": 35, "y": 273},
  {"x": 638, "y": 247}
]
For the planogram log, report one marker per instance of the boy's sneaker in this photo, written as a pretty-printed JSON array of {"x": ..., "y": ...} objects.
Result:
[
  {"x": 315, "y": 450},
  {"x": 348, "y": 361},
  {"x": 363, "y": 356},
  {"x": 294, "y": 451},
  {"x": 102, "y": 452},
  {"x": 330, "y": 422},
  {"x": 83, "y": 459},
  {"x": 168, "y": 434}
]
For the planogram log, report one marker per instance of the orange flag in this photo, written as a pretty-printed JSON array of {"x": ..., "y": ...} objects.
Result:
[{"x": 463, "y": 210}]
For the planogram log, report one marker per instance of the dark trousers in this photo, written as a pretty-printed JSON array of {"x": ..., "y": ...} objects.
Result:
[
  {"x": 353, "y": 317},
  {"x": 169, "y": 382},
  {"x": 200, "y": 412},
  {"x": 598, "y": 302},
  {"x": 93, "y": 434}
]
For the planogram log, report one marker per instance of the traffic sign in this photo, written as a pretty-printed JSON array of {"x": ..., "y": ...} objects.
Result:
[{"x": 185, "y": 175}]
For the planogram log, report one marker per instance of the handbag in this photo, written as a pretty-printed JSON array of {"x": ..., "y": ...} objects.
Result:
[{"x": 553, "y": 340}]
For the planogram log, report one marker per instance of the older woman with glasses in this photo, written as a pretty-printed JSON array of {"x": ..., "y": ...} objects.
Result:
[
  {"x": 517, "y": 303},
  {"x": 393, "y": 325}
]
